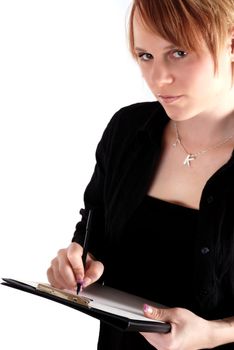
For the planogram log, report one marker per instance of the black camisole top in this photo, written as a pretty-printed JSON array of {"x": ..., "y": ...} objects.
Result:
[{"x": 155, "y": 258}]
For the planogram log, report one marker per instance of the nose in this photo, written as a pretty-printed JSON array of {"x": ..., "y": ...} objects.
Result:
[{"x": 160, "y": 75}]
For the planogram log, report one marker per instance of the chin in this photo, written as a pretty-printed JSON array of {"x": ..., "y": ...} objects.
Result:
[{"x": 180, "y": 114}]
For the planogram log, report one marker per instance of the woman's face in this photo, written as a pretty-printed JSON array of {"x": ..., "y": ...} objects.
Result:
[{"x": 183, "y": 82}]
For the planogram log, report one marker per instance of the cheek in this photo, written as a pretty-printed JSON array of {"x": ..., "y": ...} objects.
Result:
[
  {"x": 200, "y": 79},
  {"x": 150, "y": 82},
  {"x": 155, "y": 78},
  {"x": 145, "y": 73}
]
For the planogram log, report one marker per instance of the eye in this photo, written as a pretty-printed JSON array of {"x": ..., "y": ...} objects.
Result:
[
  {"x": 144, "y": 56},
  {"x": 179, "y": 54}
]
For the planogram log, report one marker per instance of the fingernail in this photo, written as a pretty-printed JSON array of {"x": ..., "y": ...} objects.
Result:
[
  {"x": 80, "y": 284},
  {"x": 148, "y": 309},
  {"x": 86, "y": 282},
  {"x": 79, "y": 279}
]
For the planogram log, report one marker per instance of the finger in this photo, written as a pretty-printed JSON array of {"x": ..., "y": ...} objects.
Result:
[
  {"x": 53, "y": 276},
  {"x": 154, "y": 313},
  {"x": 51, "y": 279},
  {"x": 94, "y": 270},
  {"x": 74, "y": 256},
  {"x": 66, "y": 272}
]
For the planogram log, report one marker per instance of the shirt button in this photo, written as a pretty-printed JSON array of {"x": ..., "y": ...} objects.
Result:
[
  {"x": 210, "y": 199},
  {"x": 205, "y": 250}
]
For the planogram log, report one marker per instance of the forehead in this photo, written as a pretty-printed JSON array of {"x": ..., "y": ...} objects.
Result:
[
  {"x": 144, "y": 37},
  {"x": 139, "y": 25}
]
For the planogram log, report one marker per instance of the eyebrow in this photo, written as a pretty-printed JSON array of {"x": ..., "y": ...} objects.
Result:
[{"x": 165, "y": 48}]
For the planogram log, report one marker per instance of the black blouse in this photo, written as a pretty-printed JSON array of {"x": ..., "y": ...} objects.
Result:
[{"x": 127, "y": 157}]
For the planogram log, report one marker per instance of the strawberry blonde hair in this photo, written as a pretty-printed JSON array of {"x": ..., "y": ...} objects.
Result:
[{"x": 186, "y": 22}]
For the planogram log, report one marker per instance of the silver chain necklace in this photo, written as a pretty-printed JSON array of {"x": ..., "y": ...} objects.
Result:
[{"x": 192, "y": 156}]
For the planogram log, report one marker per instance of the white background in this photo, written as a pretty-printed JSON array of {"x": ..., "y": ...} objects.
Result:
[{"x": 65, "y": 70}]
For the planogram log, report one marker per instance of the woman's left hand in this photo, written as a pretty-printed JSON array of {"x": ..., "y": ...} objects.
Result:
[{"x": 188, "y": 331}]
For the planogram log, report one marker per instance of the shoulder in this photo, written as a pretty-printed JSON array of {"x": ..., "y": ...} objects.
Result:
[
  {"x": 138, "y": 112},
  {"x": 130, "y": 121},
  {"x": 137, "y": 116}
]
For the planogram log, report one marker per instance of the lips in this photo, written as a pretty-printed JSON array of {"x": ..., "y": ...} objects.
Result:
[{"x": 169, "y": 98}]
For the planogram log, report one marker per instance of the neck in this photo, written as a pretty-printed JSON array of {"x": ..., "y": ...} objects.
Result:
[
  {"x": 190, "y": 156},
  {"x": 203, "y": 131},
  {"x": 215, "y": 123}
]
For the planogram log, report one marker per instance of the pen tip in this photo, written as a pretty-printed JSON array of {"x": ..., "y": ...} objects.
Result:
[{"x": 79, "y": 287}]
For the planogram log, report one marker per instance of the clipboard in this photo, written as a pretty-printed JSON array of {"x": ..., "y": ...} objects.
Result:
[{"x": 109, "y": 305}]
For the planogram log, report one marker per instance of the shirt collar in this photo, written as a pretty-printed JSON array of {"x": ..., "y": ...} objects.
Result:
[{"x": 153, "y": 128}]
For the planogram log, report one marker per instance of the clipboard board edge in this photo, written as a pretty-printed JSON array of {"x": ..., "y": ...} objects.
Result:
[{"x": 119, "y": 322}]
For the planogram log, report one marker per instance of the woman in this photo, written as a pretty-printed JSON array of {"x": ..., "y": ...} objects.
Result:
[{"x": 163, "y": 185}]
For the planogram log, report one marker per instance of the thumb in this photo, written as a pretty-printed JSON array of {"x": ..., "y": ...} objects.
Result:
[{"x": 156, "y": 313}]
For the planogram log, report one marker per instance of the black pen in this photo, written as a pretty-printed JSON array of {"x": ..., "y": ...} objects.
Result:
[{"x": 85, "y": 245}]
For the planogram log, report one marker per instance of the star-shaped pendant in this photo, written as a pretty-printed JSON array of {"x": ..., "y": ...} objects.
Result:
[{"x": 188, "y": 159}]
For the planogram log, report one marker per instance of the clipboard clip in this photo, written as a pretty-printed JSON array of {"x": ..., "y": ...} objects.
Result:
[{"x": 64, "y": 294}]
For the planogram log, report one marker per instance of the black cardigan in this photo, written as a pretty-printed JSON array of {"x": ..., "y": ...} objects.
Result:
[{"x": 127, "y": 158}]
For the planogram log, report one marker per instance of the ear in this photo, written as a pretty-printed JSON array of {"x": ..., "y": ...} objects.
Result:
[
  {"x": 232, "y": 52},
  {"x": 232, "y": 44}
]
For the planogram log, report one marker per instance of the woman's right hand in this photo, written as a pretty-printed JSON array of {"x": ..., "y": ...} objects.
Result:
[{"x": 66, "y": 269}]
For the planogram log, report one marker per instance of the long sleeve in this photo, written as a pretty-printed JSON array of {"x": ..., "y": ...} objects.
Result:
[{"x": 94, "y": 195}]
